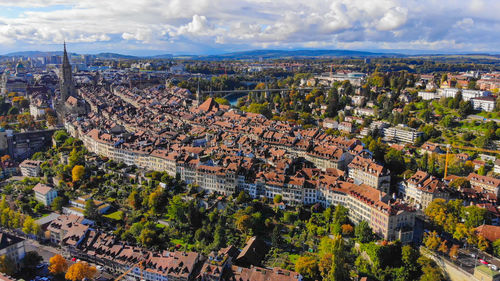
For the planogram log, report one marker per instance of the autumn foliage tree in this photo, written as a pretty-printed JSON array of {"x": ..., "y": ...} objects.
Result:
[
  {"x": 58, "y": 264},
  {"x": 454, "y": 252},
  {"x": 307, "y": 266},
  {"x": 80, "y": 270},
  {"x": 347, "y": 229},
  {"x": 432, "y": 241},
  {"x": 77, "y": 172}
]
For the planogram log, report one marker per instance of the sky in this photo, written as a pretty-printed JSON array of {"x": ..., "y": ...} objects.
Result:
[{"x": 152, "y": 27}]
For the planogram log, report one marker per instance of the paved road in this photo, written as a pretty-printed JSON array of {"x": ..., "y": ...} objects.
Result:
[{"x": 45, "y": 251}]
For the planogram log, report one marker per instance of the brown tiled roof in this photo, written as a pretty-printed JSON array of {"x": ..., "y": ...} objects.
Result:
[{"x": 490, "y": 232}]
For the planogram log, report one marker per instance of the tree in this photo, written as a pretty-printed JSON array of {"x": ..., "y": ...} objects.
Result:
[
  {"x": 460, "y": 183},
  {"x": 243, "y": 223},
  {"x": 90, "y": 210},
  {"x": 443, "y": 248},
  {"x": 77, "y": 172},
  {"x": 278, "y": 199},
  {"x": 222, "y": 101},
  {"x": 79, "y": 271},
  {"x": 430, "y": 271},
  {"x": 347, "y": 229},
  {"x": 58, "y": 264},
  {"x": 177, "y": 209},
  {"x": 307, "y": 266},
  {"x": 7, "y": 265},
  {"x": 31, "y": 259},
  {"x": 363, "y": 232},
  {"x": 461, "y": 231},
  {"x": 454, "y": 252},
  {"x": 474, "y": 216},
  {"x": 30, "y": 226},
  {"x": 338, "y": 269},
  {"x": 482, "y": 243},
  {"x": 57, "y": 204},
  {"x": 395, "y": 161},
  {"x": 134, "y": 200},
  {"x": 276, "y": 237},
  {"x": 496, "y": 248},
  {"x": 147, "y": 237},
  {"x": 409, "y": 257},
  {"x": 432, "y": 241},
  {"x": 339, "y": 218}
]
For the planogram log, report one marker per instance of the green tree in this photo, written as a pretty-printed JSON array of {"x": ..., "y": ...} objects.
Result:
[
  {"x": 363, "y": 232},
  {"x": 177, "y": 209},
  {"x": 474, "y": 216},
  {"x": 90, "y": 210},
  {"x": 57, "y": 204},
  {"x": 496, "y": 248},
  {"x": 30, "y": 226},
  {"x": 135, "y": 200},
  {"x": 278, "y": 199},
  {"x": 395, "y": 161}
]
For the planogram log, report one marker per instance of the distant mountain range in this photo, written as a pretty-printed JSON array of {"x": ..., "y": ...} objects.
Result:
[
  {"x": 257, "y": 54},
  {"x": 277, "y": 54}
]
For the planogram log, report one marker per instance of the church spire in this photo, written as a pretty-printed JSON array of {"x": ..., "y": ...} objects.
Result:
[{"x": 67, "y": 86}]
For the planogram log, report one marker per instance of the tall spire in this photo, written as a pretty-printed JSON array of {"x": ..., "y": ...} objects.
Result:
[{"x": 67, "y": 86}]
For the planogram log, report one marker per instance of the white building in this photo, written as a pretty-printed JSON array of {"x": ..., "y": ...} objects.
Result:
[
  {"x": 466, "y": 93},
  {"x": 428, "y": 95},
  {"x": 12, "y": 247},
  {"x": 44, "y": 193},
  {"x": 401, "y": 133},
  {"x": 483, "y": 103}
]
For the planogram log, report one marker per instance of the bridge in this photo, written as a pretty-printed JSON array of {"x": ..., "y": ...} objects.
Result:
[{"x": 228, "y": 93}]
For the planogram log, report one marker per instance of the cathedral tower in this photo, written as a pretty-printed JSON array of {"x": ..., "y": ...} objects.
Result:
[{"x": 67, "y": 85}]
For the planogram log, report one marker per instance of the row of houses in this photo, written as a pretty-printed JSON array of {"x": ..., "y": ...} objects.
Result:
[{"x": 80, "y": 239}]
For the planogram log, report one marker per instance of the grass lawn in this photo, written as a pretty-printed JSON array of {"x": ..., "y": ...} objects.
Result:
[
  {"x": 115, "y": 216},
  {"x": 493, "y": 115}
]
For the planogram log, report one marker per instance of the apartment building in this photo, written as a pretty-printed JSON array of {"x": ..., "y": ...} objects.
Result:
[
  {"x": 401, "y": 133},
  {"x": 366, "y": 171},
  {"x": 12, "y": 247},
  {"x": 30, "y": 168},
  {"x": 44, "y": 193},
  {"x": 422, "y": 189},
  {"x": 484, "y": 184},
  {"x": 484, "y": 103},
  {"x": 428, "y": 95},
  {"x": 388, "y": 218}
]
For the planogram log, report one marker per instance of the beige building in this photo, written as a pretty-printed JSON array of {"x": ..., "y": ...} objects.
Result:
[
  {"x": 12, "y": 247},
  {"x": 366, "y": 171}
]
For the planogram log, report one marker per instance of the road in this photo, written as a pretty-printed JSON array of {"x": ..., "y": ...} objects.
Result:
[
  {"x": 48, "y": 251},
  {"x": 45, "y": 251},
  {"x": 481, "y": 118}
]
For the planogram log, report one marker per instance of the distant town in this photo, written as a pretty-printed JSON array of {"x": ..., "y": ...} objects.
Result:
[{"x": 326, "y": 168}]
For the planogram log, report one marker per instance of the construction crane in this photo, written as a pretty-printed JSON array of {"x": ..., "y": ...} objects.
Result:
[
  {"x": 464, "y": 148},
  {"x": 140, "y": 265}
]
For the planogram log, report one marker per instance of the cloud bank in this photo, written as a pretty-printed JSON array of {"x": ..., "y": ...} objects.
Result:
[{"x": 211, "y": 26}]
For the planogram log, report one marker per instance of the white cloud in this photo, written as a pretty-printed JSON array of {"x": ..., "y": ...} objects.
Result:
[{"x": 250, "y": 23}]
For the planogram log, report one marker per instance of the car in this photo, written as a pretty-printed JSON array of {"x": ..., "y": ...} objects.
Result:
[
  {"x": 483, "y": 261},
  {"x": 40, "y": 266},
  {"x": 99, "y": 267}
]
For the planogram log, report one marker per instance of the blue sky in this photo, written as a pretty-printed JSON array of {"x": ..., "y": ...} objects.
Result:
[{"x": 149, "y": 27}]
